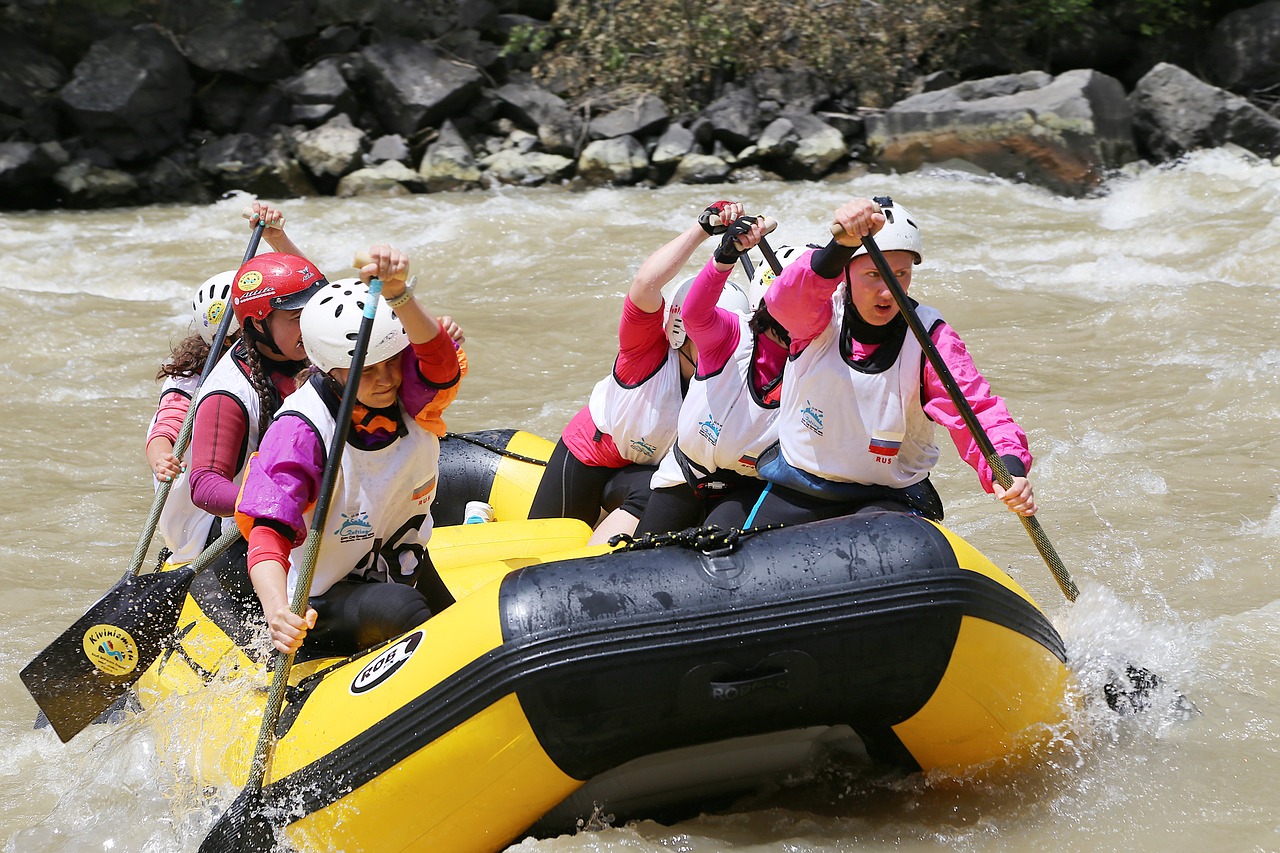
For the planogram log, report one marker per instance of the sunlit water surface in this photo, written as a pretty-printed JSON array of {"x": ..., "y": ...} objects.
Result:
[{"x": 1133, "y": 334}]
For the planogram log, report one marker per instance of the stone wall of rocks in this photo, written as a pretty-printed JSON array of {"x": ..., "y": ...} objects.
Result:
[{"x": 380, "y": 97}]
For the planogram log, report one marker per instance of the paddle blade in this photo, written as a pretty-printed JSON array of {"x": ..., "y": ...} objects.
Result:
[
  {"x": 243, "y": 828},
  {"x": 95, "y": 661}
]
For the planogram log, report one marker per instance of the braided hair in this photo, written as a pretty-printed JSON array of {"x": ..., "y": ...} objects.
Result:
[{"x": 268, "y": 396}]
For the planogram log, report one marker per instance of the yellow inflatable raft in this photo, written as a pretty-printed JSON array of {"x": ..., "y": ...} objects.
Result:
[{"x": 644, "y": 679}]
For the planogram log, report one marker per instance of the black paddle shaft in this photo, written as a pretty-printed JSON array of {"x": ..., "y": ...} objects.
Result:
[
  {"x": 184, "y": 434},
  {"x": 244, "y": 826},
  {"x": 998, "y": 469}
]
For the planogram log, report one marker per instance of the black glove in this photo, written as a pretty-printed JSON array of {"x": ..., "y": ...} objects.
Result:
[
  {"x": 704, "y": 219},
  {"x": 727, "y": 252}
]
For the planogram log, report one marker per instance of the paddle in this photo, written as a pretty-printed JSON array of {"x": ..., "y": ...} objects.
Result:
[
  {"x": 1134, "y": 696},
  {"x": 245, "y": 825},
  {"x": 184, "y": 434},
  {"x": 94, "y": 662}
]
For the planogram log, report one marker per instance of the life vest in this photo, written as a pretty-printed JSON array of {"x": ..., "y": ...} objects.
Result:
[
  {"x": 724, "y": 423},
  {"x": 184, "y": 526},
  {"x": 847, "y": 423},
  {"x": 642, "y": 418},
  {"x": 380, "y": 517}
]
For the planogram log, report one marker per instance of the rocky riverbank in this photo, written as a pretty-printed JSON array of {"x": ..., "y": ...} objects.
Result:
[{"x": 379, "y": 98}]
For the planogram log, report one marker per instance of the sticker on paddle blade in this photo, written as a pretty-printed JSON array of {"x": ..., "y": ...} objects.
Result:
[
  {"x": 111, "y": 649},
  {"x": 384, "y": 666}
]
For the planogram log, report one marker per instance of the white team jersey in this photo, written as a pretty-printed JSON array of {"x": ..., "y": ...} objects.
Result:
[
  {"x": 380, "y": 518},
  {"x": 641, "y": 419},
  {"x": 848, "y": 425}
]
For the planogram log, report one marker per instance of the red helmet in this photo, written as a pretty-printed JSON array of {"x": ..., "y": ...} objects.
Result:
[{"x": 274, "y": 280}]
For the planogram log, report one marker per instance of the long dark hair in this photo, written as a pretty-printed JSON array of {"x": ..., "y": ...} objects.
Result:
[
  {"x": 268, "y": 396},
  {"x": 762, "y": 321},
  {"x": 189, "y": 356}
]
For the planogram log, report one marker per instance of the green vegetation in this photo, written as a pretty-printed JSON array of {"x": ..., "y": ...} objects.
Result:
[{"x": 870, "y": 52}]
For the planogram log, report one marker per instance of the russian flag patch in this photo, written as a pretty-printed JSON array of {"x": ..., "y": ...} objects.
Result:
[{"x": 885, "y": 443}]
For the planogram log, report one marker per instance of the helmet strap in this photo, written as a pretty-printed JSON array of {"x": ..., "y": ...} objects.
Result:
[{"x": 263, "y": 335}]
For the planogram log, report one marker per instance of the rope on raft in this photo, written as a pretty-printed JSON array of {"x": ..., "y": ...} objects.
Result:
[
  {"x": 493, "y": 448},
  {"x": 714, "y": 541}
]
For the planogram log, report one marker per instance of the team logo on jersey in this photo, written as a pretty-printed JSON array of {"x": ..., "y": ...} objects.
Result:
[
  {"x": 885, "y": 443},
  {"x": 386, "y": 664},
  {"x": 251, "y": 280},
  {"x": 641, "y": 446},
  {"x": 111, "y": 649},
  {"x": 354, "y": 527},
  {"x": 811, "y": 418},
  {"x": 424, "y": 493},
  {"x": 710, "y": 429}
]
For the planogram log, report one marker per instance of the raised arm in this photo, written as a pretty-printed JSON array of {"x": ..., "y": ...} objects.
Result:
[{"x": 665, "y": 263}]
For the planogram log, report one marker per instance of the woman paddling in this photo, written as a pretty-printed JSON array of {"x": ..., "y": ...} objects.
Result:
[
  {"x": 608, "y": 452},
  {"x": 860, "y": 404},
  {"x": 373, "y": 576}
]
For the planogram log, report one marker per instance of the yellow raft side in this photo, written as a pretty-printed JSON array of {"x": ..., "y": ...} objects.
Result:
[
  {"x": 982, "y": 663},
  {"x": 516, "y": 482},
  {"x": 472, "y": 776},
  {"x": 988, "y": 660}
]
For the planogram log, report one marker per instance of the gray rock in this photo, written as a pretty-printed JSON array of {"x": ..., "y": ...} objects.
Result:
[
  {"x": 387, "y": 179},
  {"x": 646, "y": 114},
  {"x": 733, "y": 118},
  {"x": 559, "y": 128},
  {"x": 255, "y": 165},
  {"x": 448, "y": 163},
  {"x": 1063, "y": 132},
  {"x": 413, "y": 86},
  {"x": 319, "y": 93},
  {"x": 333, "y": 149},
  {"x": 819, "y": 146},
  {"x": 1175, "y": 112},
  {"x": 619, "y": 161},
  {"x": 130, "y": 95},
  {"x": 512, "y": 167},
  {"x": 389, "y": 147},
  {"x": 676, "y": 141},
  {"x": 243, "y": 46},
  {"x": 701, "y": 169},
  {"x": 777, "y": 140},
  {"x": 1245, "y": 49}
]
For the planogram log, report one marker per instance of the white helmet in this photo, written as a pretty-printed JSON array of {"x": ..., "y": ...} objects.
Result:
[
  {"x": 732, "y": 298},
  {"x": 331, "y": 321},
  {"x": 213, "y": 297},
  {"x": 900, "y": 231},
  {"x": 765, "y": 275}
]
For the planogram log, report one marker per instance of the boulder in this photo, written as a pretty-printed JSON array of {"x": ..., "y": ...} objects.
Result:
[
  {"x": 412, "y": 86},
  {"x": 733, "y": 118},
  {"x": 130, "y": 95},
  {"x": 1175, "y": 112},
  {"x": 1245, "y": 49},
  {"x": 387, "y": 179},
  {"x": 245, "y": 47},
  {"x": 646, "y": 114},
  {"x": 254, "y": 164},
  {"x": 672, "y": 146},
  {"x": 333, "y": 149},
  {"x": 512, "y": 167},
  {"x": 1063, "y": 132},
  {"x": 389, "y": 147},
  {"x": 84, "y": 184},
  {"x": 448, "y": 163},
  {"x": 701, "y": 169},
  {"x": 26, "y": 174},
  {"x": 619, "y": 161},
  {"x": 319, "y": 93},
  {"x": 558, "y": 127},
  {"x": 819, "y": 146},
  {"x": 29, "y": 82}
]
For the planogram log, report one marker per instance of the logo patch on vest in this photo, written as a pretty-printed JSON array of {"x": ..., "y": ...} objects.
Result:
[
  {"x": 641, "y": 446},
  {"x": 811, "y": 418},
  {"x": 386, "y": 664},
  {"x": 354, "y": 527},
  {"x": 709, "y": 429},
  {"x": 885, "y": 443}
]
